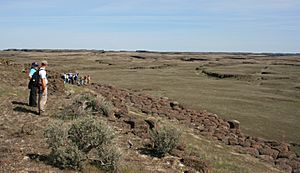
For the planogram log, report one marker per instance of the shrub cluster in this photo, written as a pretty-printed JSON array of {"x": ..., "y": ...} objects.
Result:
[
  {"x": 164, "y": 140},
  {"x": 87, "y": 104},
  {"x": 108, "y": 157},
  {"x": 89, "y": 133},
  {"x": 71, "y": 144},
  {"x": 67, "y": 157}
]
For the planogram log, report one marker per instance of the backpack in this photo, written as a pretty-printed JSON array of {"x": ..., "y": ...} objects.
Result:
[{"x": 35, "y": 79}]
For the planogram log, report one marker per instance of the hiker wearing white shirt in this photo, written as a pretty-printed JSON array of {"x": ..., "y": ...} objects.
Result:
[{"x": 43, "y": 87}]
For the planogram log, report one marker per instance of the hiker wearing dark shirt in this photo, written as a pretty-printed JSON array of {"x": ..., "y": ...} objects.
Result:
[{"x": 33, "y": 88}]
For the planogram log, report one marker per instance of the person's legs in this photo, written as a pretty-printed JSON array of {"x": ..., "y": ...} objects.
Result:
[
  {"x": 42, "y": 101},
  {"x": 39, "y": 102},
  {"x": 33, "y": 97},
  {"x": 30, "y": 97}
]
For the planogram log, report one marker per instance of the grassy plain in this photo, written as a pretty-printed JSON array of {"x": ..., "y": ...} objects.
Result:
[{"x": 261, "y": 91}]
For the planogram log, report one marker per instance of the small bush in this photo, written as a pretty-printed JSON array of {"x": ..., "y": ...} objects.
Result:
[
  {"x": 100, "y": 105},
  {"x": 106, "y": 107},
  {"x": 55, "y": 135},
  {"x": 164, "y": 140},
  {"x": 67, "y": 157},
  {"x": 63, "y": 154},
  {"x": 89, "y": 133},
  {"x": 87, "y": 104},
  {"x": 108, "y": 158},
  {"x": 71, "y": 112},
  {"x": 70, "y": 145}
]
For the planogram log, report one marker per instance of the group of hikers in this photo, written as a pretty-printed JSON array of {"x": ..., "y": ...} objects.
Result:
[
  {"x": 75, "y": 78},
  {"x": 38, "y": 85}
]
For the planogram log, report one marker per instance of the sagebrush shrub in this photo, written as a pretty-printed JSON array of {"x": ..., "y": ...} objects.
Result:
[
  {"x": 71, "y": 112},
  {"x": 55, "y": 134},
  {"x": 98, "y": 105},
  {"x": 108, "y": 157},
  {"x": 89, "y": 133},
  {"x": 87, "y": 104},
  {"x": 164, "y": 140},
  {"x": 63, "y": 153},
  {"x": 69, "y": 157},
  {"x": 70, "y": 145},
  {"x": 104, "y": 106}
]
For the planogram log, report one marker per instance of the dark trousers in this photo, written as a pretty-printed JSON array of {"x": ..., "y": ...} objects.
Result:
[{"x": 33, "y": 96}]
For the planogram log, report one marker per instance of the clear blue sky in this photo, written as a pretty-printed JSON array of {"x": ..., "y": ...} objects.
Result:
[{"x": 162, "y": 25}]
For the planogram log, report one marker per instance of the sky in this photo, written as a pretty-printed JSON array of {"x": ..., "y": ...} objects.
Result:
[{"x": 157, "y": 25}]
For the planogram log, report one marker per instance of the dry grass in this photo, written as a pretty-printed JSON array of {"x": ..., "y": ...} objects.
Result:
[
  {"x": 223, "y": 158},
  {"x": 267, "y": 105}
]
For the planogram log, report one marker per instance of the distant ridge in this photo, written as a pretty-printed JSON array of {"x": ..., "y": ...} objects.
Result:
[
  {"x": 55, "y": 50},
  {"x": 149, "y": 51}
]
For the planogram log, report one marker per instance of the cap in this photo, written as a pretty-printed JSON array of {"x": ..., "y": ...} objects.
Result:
[
  {"x": 44, "y": 62},
  {"x": 34, "y": 64}
]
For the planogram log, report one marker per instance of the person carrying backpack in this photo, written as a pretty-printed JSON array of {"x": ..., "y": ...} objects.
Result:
[
  {"x": 43, "y": 82},
  {"x": 33, "y": 84}
]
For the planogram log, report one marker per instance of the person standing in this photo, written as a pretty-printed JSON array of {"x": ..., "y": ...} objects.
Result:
[
  {"x": 43, "y": 87},
  {"x": 33, "y": 84},
  {"x": 71, "y": 78},
  {"x": 88, "y": 79}
]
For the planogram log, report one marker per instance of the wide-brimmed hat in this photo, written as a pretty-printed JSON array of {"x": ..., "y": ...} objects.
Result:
[{"x": 44, "y": 62}]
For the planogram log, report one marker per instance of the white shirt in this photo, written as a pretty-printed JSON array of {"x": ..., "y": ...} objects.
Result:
[{"x": 43, "y": 74}]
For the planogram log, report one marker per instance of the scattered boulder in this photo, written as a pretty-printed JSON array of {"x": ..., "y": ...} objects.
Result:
[
  {"x": 286, "y": 154},
  {"x": 131, "y": 122},
  {"x": 269, "y": 152},
  {"x": 174, "y": 105},
  {"x": 284, "y": 166},
  {"x": 138, "y": 127},
  {"x": 282, "y": 160},
  {"x": 151, "y": 123},
  {"x": 234, "y": 124},
  {"x": 233, "y": 141},
  {"x": 281, "y": 147},
  {"x": 249, "y": 150},
  {"x": 246, "y": 143},
  {"x": 267, "y": 159}
]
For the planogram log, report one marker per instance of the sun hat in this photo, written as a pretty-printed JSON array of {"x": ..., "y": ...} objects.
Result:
[{"x": 44, "y": 62}]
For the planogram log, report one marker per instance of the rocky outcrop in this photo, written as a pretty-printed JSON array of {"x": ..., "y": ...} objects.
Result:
[{"x": 204, "y": 123}]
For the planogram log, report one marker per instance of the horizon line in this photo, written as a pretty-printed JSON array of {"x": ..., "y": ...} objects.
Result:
[{"x": 141, "y": 51}]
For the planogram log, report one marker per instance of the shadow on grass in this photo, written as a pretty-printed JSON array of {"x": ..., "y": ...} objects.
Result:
[
  {"x": 24, "y": 110},
  {"x": 46, "y": 159},
  {"x": 37, "y": 157},
  {"x": 150, "y": 152},
  {"x": 19, "y": 103}
]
